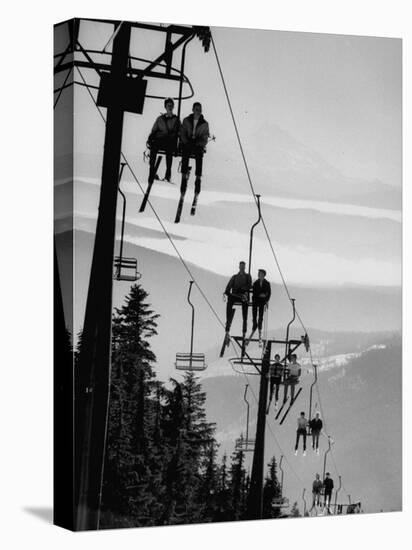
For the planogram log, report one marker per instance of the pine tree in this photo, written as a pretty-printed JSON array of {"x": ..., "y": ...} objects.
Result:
[
  {"x": 237, "y": 479},
  {"x": 271, "y": 491},
  {"x": 209, "y": 485},
  {"x": 294, "y": 513},
  {"x": 223, "y": 495},
  {"x": 189, "y": 435},
  {"x": 128, "y": 494}
]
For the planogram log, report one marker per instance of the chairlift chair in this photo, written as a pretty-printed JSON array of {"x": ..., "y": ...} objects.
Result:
[
  {"x": 244, "y": 443},
  {"x": 240, "y": 299},
  {"x": 125, "y": 269},
  {"x": 191, "y": 361},
  {"x": 281, "y": 502}
]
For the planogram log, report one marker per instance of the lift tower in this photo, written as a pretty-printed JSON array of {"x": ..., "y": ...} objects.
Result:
[
  {"x": 122, "y": 89},
  {"x": 261, "y": 367},
  {"x": 95, "y": 353}
]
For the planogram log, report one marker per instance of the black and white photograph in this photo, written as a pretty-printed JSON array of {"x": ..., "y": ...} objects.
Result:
[{"x": 228, "y": 273}]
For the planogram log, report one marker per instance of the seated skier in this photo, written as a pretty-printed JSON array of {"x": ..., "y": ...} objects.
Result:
[
  {"x": 194, "y": 135},
  {"x": 163, "y": 137},
  {"x": 275, "y": 374},
  {"x": 327, "y": 490},
  {"x": 301, "y": 431},
  {"x": 317, "y": 487},
  {"x": 315, "y": 426},
  {"x": 237, "y": 292},
  {"x": 260, "y": 299},
  {"x": 292, "y": 378}
]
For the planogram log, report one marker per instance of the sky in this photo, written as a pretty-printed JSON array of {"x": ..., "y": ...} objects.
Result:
[
  {"x": 320, "y": 121},
  {"x": 319, "y": 117},
  {"x": 340, "y": 94}
]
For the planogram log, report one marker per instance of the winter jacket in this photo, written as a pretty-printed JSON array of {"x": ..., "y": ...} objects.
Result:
[
  {"x": 261, "y": 293},
  {"x": 317, "y": 486},
  {"x": 239, "y": 284},
  {"x": 276, "y": 370},
  {"x": 165, "y": 128},
  {"x": 316, "y": 425},
  {"x": 294, "y": 370},
  {"x": 201, "y": 132},
  {"x": 328, "y": 484},
  {"x": 302, "y": 423}
]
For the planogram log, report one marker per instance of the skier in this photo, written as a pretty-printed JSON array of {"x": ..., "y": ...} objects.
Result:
[
  {"x": 301, "y": 431},
  {"x": 317, "y": 487},
  {"x": 316, "y": 426},
  {"x": 292, "y": 378},
  {"x": 237, "y": 292},
  {"x": 194, "y": 135},
  {"x": 260, "y": 298},
  {"x": 327, "y": 488},
  {"x": 276, "y": 372},
  {"x": 164, "y": 137}
]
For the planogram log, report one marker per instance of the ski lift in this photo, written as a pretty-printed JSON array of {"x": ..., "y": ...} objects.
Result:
[
  {"x": 240, "y": 300},
  {"x": 204, "y": 35},
  {"x": 337, "y": 492},
  {"x": 125, "y": 269},
  {"x": 325, "y": 456},
  {"x": 304, "y": 503},
  {"x": 244, "y": 443},
  {"x": 191, "y": 361},
  {"x": 281, "y": 502},
  {"x": 315, "y": 369}
]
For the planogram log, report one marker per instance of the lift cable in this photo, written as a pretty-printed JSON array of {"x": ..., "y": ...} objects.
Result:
[
  {"x": 324, "y": 423},
  {"x": 254, "y": 195},
  {"x": 157, "y": 216},
  {"x": 249, "y": 176},
  {"x": 63, "y": 86},
  {"x": 263, "y": 219}
]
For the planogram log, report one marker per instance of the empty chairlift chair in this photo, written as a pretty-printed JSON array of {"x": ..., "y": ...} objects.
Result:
[
  {"x": 191, "y": 361},
  {"x": 281, "y": 501},
  {"x": 125, "y": 269},
  {"x": 244, "y": 443}
]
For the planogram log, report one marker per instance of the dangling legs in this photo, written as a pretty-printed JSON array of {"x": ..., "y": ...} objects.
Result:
[
  {"x": 254, "y": 316},
  {"x": 261, "y": 311},
  {"x": 297, "y": 441},
  {"x": 185, "y": 170},
  {"x": 153, "y": 156},
  {"x": 198, "y": 171},
  {"x": 277, "y": 390},
  {"x": 169, "y": 160},
  {"x": 292, "y": 390},
  {"x": 198, "y": 181},
  {"x": 229, "y": 312},
  {"x": 285, "y": 392},
  {"x": 244, "y": 316}
]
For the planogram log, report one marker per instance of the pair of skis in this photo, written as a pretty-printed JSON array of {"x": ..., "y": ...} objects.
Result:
[
  {"x": 180, "y": 206},
  {"x": 292, "y": 402},
  {"x": 246, "y": 341},
  {"x": 182, "y": 200}
]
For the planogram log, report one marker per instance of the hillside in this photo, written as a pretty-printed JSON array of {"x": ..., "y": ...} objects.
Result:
[{"x": 363, "y": 412}]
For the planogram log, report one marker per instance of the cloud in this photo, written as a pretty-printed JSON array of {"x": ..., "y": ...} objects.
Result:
[
  {"x": 220, "y": 250},
  {"x": 209, "y": 198}
]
